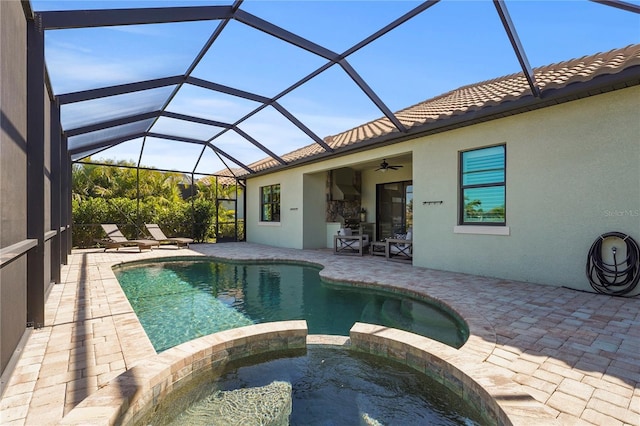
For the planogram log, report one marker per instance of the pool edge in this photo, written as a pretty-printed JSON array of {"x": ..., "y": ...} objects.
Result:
[{"x": 132, "y": 394}]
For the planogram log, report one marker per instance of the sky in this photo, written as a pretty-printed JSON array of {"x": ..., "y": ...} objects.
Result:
[{"x": 453, "y": 43}]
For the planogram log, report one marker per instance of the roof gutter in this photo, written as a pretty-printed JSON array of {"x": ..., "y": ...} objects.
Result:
[{"x": 601, "y": 84}]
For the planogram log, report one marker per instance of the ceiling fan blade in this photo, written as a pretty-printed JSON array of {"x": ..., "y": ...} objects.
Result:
[{"x": 386, "y": 166}]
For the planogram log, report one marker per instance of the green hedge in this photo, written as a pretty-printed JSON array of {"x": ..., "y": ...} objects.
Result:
[{"x": 177, "y": 219}]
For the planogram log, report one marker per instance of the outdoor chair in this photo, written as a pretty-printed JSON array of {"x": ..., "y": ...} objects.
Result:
[
  {"x": 347, "y": 243},
  {"x": 115, "y": 239},
  {"x": 400, "y": 248},
  {"x": 157, "y": 234}
]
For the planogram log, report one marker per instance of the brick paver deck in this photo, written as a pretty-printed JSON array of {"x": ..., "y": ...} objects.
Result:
[{"x": 577, "y": 353}]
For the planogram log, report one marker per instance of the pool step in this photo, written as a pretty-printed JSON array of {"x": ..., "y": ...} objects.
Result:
[
  {"x": 371, "y": 313},
  {"x": 424, "y": 313},
  {"x": 394, "y": 316}
]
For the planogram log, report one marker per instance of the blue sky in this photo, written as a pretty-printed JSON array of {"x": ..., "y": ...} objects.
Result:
[{"x": 451, "y": 44}]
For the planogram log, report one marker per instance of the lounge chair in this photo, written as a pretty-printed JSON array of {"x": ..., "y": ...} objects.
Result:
[
  {"x": 400, "y": 248},
  {"x": 115, "y": 239},
  {"x": 157, "y": 234},
  {"x": 347, "y": 243}
]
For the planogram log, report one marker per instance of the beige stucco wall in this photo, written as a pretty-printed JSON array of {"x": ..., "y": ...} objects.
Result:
[{"x": 573, "y": 173}]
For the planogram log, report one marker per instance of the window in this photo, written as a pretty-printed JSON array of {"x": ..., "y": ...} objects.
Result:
[
  {"x": 482, "y": 186},
  {"x": 270, "y": 203}
]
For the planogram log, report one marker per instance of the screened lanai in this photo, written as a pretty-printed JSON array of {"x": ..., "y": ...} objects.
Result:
[
  {"x": 234, "y": 89},
  {"x": 231, "y": 89}
]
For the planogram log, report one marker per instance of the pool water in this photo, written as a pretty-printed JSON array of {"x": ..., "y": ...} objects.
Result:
[
  {"x": 177, "y": 301},
  {"x": 330, "y": 386}
]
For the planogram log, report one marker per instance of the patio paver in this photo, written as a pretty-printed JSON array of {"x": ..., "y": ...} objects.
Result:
[{"x": 577, "y": 353}]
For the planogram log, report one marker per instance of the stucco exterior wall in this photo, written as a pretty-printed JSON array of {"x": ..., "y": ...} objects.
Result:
[
  {"x": 287, "y": 232},
  {"x": 573, "y": 173},
  {"x": 569, "y": 168},
  {"x": 313, "y": 204},
  {"x": 303, "y": 202}
]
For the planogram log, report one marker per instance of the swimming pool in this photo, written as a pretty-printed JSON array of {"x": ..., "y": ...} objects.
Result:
[{"x": 178, "y": 300}]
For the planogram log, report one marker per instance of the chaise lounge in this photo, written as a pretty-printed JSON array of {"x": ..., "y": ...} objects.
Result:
[
  {"x": 115, "y": 239},
  {"x": 157, "y": 234}
]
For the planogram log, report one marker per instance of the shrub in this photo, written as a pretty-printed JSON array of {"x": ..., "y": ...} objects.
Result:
[{"x": 202, "y": 214}]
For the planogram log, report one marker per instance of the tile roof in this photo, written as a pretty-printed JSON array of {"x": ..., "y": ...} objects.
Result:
[{"x": 468, "y": 101}]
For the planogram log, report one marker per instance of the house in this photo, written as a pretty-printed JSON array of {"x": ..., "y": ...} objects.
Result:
[{"x": 495, "y": 182}]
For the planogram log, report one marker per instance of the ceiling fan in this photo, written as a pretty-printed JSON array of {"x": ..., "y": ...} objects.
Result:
[{"x": 384, "y": 166}]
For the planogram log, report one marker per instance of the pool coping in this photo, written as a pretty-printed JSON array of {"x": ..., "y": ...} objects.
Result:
[
  {"x": 138, "y": 391},
  {"x": 134, "y": 394}
]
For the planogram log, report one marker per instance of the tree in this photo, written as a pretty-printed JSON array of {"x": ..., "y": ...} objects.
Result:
[{"x": 119, "y": 193}]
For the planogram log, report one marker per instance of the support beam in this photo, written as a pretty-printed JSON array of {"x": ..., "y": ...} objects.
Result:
[
  {"x": 301, "y": 126},
  {"x": 153, "y": 169},
  {"x": 284, "y": 35},
  {"x": 517, "y": 46},
  {"x": 214, "y": 36},
  {"x": 176, "y": 138},
  {"x": 259, "y": 145},
  {"x": 227, "y": 90},
  {"x": 629, "y": 7},
  {"x": 198, "y": 120},
  {"x": 56, "y": 197},
  {"x": 401, "y": 20},
  {"x": 65, "y": 194},
  {"x": 112, "y": 123},
  {"x": 203, "y": 51},
  {"x": 105, "y": 143},
  {"x": 196, "y": 141},
  {"x": 228, "y": 157},
  {"x": 372, "y": 95},
  {"x": 119, "y": 89},
  {"x": 68, "y": 19},
  {"x": 35, "y": 172}
]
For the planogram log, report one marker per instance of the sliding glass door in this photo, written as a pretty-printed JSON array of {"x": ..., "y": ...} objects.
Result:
[{"x": 394, "y": 204}]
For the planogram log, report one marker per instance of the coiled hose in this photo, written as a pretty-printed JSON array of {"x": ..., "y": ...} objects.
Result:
[{"x": 618, "y": 278}]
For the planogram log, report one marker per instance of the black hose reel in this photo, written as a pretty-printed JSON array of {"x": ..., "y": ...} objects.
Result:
[{"x": 620, "y": 277}]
